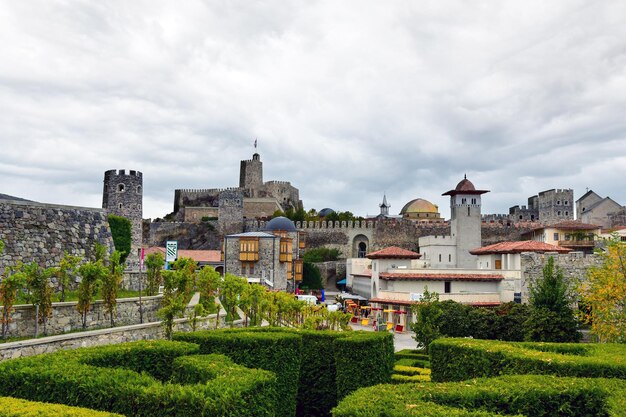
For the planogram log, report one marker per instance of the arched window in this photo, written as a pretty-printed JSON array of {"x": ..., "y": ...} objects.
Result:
[
  {"x": 449, "y": 258},
  {"x": 120, "y": 188},
  {"x": 119, "y": 206},
  {"x": 139, "y": 189},
  {"x": 439, "y": 257}
]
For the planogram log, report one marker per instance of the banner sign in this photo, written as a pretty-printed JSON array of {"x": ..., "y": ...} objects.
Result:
[{"x": 171, "y": 250}]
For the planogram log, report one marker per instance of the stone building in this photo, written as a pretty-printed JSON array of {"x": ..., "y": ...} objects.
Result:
[
  {"x": 591, "y": 208},
  {"x": 269, "y": 257},
  {"x": 572, "y": 234},
  {"x": 549, "y": 206},
  {"x": 123, "y": 196},
  {"x": 259, "y": 197}
]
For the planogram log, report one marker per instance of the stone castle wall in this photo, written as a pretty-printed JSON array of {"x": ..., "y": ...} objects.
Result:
[
  {"x": 573, "y": 264},
  {"x": 65, "y": 318},
  {"x": 42, "y": 232},
  {"x": 203, "y": 235}
]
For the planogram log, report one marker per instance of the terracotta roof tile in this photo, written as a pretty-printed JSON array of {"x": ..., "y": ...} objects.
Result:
[
  {"x": 393, "y": 276},
  {"x": 519, "y": 247},
  {"x": 393, "y": 252}
]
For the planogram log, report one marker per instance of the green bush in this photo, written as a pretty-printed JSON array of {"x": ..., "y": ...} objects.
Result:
[
  {"x": 321, "y": 254},
  {"x": 314, "y": 369},
  {"x": 140, "y": 379},
  {"x": 527, "y": 395},
  {"x": 14, "y": 407},
  {"x": 462, "y": 359},
  {"x": 121, "y": 233}
]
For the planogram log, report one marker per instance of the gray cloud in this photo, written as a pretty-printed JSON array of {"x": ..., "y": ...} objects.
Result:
[{"x": 348, "y": 99}]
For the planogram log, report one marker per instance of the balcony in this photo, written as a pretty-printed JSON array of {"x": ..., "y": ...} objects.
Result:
[{"x": 585, "y": 243}]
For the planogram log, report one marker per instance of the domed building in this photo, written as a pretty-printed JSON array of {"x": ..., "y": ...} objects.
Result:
[{"x": 421, "y": 210}]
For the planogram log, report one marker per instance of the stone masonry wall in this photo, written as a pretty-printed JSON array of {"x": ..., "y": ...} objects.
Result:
[
  {"x": 65, "y": 318},
  {"x": 148, "y": 331},
  {"x": 574, "y": 266},
  {"x": 203, "y": 235},
  {"x": 42, "y": 232}
]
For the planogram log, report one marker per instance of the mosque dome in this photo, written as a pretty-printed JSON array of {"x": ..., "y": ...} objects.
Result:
[
  {"x": 465, "y": 185},
  {"x": 419, "y": 205},
  {"x": 325, "y": 212},
  {"x": 280, "y": 223}
]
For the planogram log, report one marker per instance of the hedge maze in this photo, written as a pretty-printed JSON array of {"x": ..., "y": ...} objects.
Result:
[
  {"x": 236, "y": 372},
  {"x": 15, "y": 407},
  {"x": 491, "y": 378}
]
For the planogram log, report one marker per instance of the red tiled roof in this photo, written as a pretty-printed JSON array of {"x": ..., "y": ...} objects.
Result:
[
  {"x": 408, "y": 303},
  {"x": 393, "y": 252},
  {"x": 389, "y": 276},
  {"x": 519, "y": 247},
  {"x": 465, "y": 186},
  {"x": 207, "y": 256}
]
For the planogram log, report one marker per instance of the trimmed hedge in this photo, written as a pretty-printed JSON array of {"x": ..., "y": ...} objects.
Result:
[
  {"x": 314, "y": 369},
  {"x": 135, "y": 379},
  {"x": 461, "y": 359},
  {"x": 15, "y": 407},
  {"x": 527, "y": 395}
]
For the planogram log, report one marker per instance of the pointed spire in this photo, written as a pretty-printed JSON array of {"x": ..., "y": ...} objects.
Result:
[
  {"x": 384, "y": 207},
  {"x": 465, "y": 176}
]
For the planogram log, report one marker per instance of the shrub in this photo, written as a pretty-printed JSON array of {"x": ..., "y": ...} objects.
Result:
[
  {"x": 317, "y": 368},
  {"x": 14, "y": 407},
  {"x": 121, "y": 233},
  {"x": 321, "y": 255},
  {"x": 140, "y": 379},
  {"x": 461, "y": 359},
  {"x": 528, "y": 395}
]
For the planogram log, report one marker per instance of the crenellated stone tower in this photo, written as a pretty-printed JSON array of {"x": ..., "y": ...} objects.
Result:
[
  {"x": 123, "y": 196},
  {"x": 251, "y": 175}
]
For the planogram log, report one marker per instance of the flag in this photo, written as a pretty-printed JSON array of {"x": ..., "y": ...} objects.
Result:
[{"x": 255, "y": 144}]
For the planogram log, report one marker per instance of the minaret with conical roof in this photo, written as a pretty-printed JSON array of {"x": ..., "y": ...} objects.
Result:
[
  {"x": 384, "y": 207},
  {"x": 465, "y": 221}
]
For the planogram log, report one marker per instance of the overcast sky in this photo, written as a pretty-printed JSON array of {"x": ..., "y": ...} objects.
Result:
[{"x": 348, "y": 99}]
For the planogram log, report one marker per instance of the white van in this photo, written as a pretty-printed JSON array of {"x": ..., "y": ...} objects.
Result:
[{"x": 310, "y": 299}]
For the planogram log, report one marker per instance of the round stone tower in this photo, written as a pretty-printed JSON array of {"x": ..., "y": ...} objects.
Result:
[{"x": 123, "y": 196}]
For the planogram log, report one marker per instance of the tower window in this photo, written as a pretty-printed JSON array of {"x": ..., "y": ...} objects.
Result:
[
  {"x": 139, "y": 189},
  {"x": 120, "y": 188},
  {"x": 119, "y": 206},
  {"x": 558, "y": 202},
  {"x": 558, "y": 212},
  {"x": 473, "y": 201},
  {"x": 468, "y": 211},
  {"x": 464, "y": 201},
  {"x": 439, "y": 257},
  {"x": 449, "y": 258},
  {"x": 566, "y": 203}
]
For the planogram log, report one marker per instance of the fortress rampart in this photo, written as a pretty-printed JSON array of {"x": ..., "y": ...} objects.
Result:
[{"x": 42, "y": 232}]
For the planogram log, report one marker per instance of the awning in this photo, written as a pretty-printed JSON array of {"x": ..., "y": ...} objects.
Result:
[{"x": 342, "y": 282}]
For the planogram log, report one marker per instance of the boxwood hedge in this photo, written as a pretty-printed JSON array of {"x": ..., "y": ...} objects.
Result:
[
  {"x": 527, "y": 395},
  {"x": 314, "y": 369},
  {"x": 15, "y": 407},
  {"x": 143, "y": 379},
  {"x": 461, "y": 359}
]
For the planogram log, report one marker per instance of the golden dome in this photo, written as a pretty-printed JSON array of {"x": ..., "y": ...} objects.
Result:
[{"x": 419, "y": 205}]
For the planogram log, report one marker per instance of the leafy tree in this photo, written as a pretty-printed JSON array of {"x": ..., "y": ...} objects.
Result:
[
  {"x": 154, "y": 266},
  {"x": 454, "y": 320},
  {"x": 110, "y": 285},
  {"x": 252, "y": 304},
  {"x": 551, "y": 318},
  {"x": 510, "y": 323},
  {"x": 39, "y": 292},
  {"x": 121, "y": 233},
  {"x": 322, "y": 254},
  {"x": 482, "y": 322},
  {"x": 605, "y": 293},
  {"x": 67, "y": 268},
  {"x": 178, "y": 285},
  {"x": 92, "y": 274},
  {"x": 311, "y": 277},
  {"x": 208, "y": 282},
  {"x": 427, "y": 313},
  {"x": 231, "y": 291},
  {"x": 12, "y": 281}
]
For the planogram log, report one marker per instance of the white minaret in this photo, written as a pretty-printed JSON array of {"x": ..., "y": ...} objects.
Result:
[{"x": 465, "y": 221}]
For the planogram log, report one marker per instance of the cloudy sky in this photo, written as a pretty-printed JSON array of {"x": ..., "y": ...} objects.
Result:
[{"x": 348, "y": 99}]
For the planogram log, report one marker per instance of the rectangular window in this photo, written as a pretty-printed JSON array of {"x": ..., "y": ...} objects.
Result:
[
  {"x": 473, "y": 201},
  {"x": 556, "y": 236},
  {"x": 289, "y": 270},
  {"x": 301, "y": 240},
  {"x": 249, "y": 249},
  {"x": 299, "y": 265},
  {"x": 286, "y": 250},
  {"x": 447, "y": 287},
  {"x": 498, "y": 264}
]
